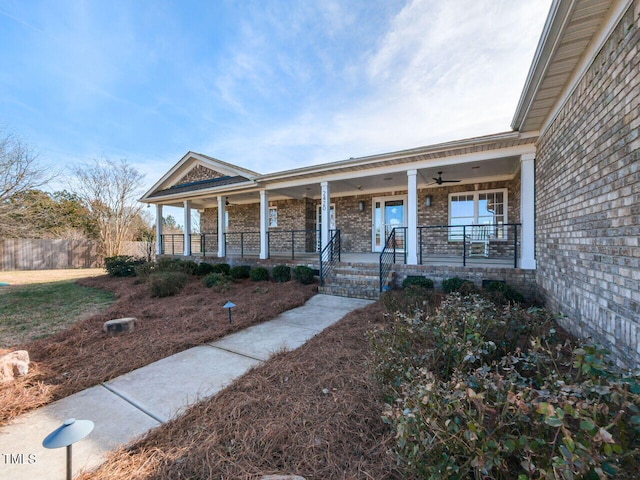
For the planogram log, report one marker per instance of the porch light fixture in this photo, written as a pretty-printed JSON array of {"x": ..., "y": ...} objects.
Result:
[
  {"x": 427, "y": 201},
  {"x": 361, "y": 205},
  {"x": 229, "y": 306},
  {"x": 70, "y": 432}
]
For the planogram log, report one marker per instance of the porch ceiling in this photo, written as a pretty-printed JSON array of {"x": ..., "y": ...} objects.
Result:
[{"x": 361, "y": 184}]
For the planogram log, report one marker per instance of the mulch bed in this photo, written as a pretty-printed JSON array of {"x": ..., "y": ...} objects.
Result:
[
  {"x": 83, "y": 356},
  {"x": 313, "y": 412}
]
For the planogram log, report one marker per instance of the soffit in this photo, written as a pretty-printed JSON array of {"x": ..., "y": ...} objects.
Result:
[{"x": 570, "y": 29}]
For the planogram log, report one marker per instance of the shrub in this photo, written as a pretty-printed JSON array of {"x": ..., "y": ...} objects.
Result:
[
  {"x": 143, "y": 271},
  {"x": 204, "y": 269},
  {"x": 259, "y": 274},
  {"x": 217, "y": 280},
  {"x": 422, "y": 282},
  {"x": 281, "y": 273},
  {"x": 240, "y": 272},
  {"x": 303, "y": 274},
  {"x": 176, "y": 265},
  {"x": 503, "y": 293},
  {"x": 122, "y": 265},
  {"x": 221, "y": 268},
  {"x": 457, "y": 284},
  {"x": 410, "y": 300},
  {"x": 548, "y": 412},
  {"x": 166, "y": 284}
]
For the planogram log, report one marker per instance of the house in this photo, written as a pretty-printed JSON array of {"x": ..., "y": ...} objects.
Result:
[{"x": 552, "y": 207}]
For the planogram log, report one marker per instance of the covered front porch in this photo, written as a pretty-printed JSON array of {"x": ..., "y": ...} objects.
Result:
[{"x": 466, "y": 203}]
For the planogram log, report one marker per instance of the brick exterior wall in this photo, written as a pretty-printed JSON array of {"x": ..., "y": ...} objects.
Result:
[
  {"x": 199, "y": 173},
  {"x": 588, "y": 200},
  {"x": 355, "y": 226}
]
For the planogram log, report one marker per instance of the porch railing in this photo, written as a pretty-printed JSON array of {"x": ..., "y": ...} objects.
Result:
[
  {"x": 172, "y": 244},
  {"x": 329, "y": 256},
  {"x": 242, "y": 243},
  {"x": 292, "y": 241},
  {"x": 394, "y": 249},
  {"x": 491, "y": 241}
]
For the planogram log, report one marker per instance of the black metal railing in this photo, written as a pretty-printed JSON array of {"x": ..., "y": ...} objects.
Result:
[
  {"x": 172, "y": 244},
  {"x": 329, "y": 255},
  {"x": 445, "y": 242},
  {"x": 242, "y": 243},
  {"x": 208, "y": 244},
  {"x": 292, "y": 241},
  {"x": 394, "y": 249}
]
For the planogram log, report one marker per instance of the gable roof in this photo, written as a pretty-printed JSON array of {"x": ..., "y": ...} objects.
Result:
[
  {"x": 573, "y": 34},
  {"x": 171, "y": 184}
]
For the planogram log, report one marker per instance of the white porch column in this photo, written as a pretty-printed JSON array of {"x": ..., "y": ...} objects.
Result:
[
  {"x": 187, "y": 227},
  {"x": 222, "y": 250},
  {"x": 527, "y": 211},
  {"x": 158, "y": 229},
  {"x": 264, "y": 224},
  {"x": 412, "y": 217},
  {"x": 325, "y": 208}
]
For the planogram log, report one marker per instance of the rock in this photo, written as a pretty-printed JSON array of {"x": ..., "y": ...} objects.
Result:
[
  {"x": 119, "y": 325},
  {"x": 281, "y": 477},
  {"x": 14, "y": 364}
]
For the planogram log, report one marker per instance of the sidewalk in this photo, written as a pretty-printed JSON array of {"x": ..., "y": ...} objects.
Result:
[{"x": 130, "y": 405}]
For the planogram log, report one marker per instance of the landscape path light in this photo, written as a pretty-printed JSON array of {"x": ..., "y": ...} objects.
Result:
[
  {"x": 229, "y": 306},
  {"x": 70, "y": 432}
]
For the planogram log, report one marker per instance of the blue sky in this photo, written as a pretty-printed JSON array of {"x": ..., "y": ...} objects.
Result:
[{"x": 267, "y": 84}]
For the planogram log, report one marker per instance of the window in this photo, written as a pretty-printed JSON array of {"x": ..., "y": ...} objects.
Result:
[
  {"x": 273, "y": 217},
  {"x": 487, "y": 207}
]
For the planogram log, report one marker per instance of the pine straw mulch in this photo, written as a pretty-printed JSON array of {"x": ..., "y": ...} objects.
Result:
[
  {"x": 83, "y": 356},
  {"x": 313, "y": 412}
]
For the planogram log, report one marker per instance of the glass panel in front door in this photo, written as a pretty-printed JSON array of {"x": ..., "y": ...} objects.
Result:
[{"x": 387, "y": 215}]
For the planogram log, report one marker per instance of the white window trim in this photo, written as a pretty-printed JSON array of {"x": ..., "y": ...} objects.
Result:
[
  {"x": 476, "y": 194},
  {"x": 269, "y": 217}
]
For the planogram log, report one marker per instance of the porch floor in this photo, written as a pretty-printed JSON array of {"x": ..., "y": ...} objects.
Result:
[{"x": 311, "y": 258}]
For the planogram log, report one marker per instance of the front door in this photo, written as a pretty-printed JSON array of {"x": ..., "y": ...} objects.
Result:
[{"x": 388, "y": 213}]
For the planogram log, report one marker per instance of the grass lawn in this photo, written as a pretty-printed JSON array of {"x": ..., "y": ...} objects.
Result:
[{"x": 29, "y": 312}]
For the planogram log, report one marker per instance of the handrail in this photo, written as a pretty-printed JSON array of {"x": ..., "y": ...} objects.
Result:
[
  {"x": 329, "y": 256},
  {"x": 388, "y": 256}
]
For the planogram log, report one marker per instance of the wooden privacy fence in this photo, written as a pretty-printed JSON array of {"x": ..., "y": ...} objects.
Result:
[{"x": 45, "y": 254}]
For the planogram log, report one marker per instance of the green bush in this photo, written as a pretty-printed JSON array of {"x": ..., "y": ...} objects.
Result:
[
  {"x": 281, "y": 273},
  {"x": 464, "y": 404},
  {"x": 303, "y": 274},
  {"x": 166, "y": 284},
  {"x": 502, "y": 293},
  {"x": 259, "y": 274},
  {"x": 147, "y": 268},
  {"x": 204, "y": 269},
  {"x": 176, "y": 265},
  {"x": 240, "y": 272},
  {"x": 415, "y": 281},
  {"x": 410, "y": 300},
  {"x": 122, "y": 265},
  {"x": 457, "y": 284},
  {"x": 217, "y": 280},
  {"x": 221, "y": 268}
]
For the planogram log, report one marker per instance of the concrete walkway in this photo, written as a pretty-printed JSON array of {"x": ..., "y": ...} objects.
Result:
[{"x": 130, "y": 405}]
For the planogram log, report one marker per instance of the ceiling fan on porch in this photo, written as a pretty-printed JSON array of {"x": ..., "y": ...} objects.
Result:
[{"x": 440, "y": 181}]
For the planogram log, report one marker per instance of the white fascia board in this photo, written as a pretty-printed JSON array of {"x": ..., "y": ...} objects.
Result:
[
  {"x": 245, "y": 187},
  {"x": 390, "y": 169},
  {"x": 547, "y": 45},
  {"x": 385, "y": 157},
  {"x": 588, "y": 57}
]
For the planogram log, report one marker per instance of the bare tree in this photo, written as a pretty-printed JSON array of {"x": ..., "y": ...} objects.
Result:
[
  {"x": 20, "y": 172},
  {"x": 109, "y": 191}
]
